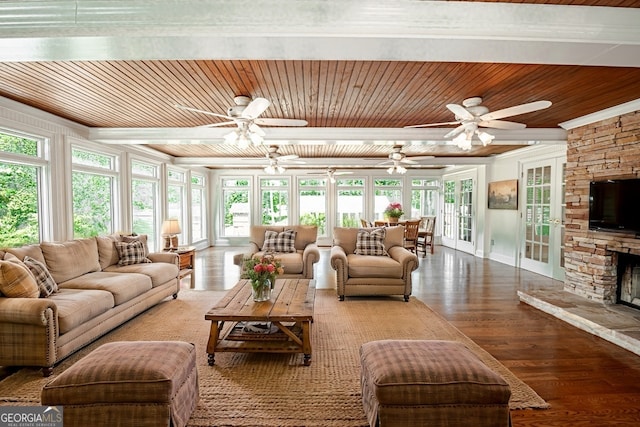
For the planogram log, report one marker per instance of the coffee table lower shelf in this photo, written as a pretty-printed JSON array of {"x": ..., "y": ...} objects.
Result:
[{"x": 287, "y": 339}]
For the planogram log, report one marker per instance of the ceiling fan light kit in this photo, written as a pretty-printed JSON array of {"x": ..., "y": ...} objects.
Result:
[
  {"x": 272, "y": 169},
  {"x": 398, "y": 168}
]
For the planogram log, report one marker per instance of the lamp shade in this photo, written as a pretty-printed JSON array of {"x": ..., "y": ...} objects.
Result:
[{"x": 171, "y": 226}]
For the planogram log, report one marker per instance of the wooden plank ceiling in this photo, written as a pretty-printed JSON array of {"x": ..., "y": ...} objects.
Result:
[{"x": 335, "y": 94}]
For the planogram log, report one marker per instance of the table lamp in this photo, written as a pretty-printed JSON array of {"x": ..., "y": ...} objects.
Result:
[{"x": 171, "y": 228}]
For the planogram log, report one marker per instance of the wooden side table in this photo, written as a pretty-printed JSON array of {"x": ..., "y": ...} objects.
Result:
[{"x": 187, "y": 255}]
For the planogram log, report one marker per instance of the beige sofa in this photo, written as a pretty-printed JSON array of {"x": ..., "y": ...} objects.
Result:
[
  {"x": 297, "y": 264},
  {"x": 372, "y": 274},
  {"x": 94, "y": 296}
]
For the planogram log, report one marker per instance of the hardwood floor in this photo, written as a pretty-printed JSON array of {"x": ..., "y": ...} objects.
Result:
[{"x": 587, "y": 381}]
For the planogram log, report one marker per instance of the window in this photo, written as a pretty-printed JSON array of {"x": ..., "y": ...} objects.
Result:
[
  {"x": 424, "y": 197},
  {"x": 466, "y": 210},
  {"x": 93, "y": 188},
  {"x": 236, "y": 194},
  {"x": 198, "y": 211},
  {"x": 274, "y": 193},
  {"x": 23, "y": 169},
  {"x": 449, "y": 209},
  {"x": 144, "y": 200},
  {"x": 386, "y": 191},
  {"x": 176, "y": 198},
  {"x": 313, "y": 203},
  {"x": 350, "y": 202}
]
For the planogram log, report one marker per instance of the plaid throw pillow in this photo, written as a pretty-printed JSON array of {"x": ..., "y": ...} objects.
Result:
[
  {"x": 131, "y": 253},
  {"x": 279, "y": 242},
  {"x": 45, "y": 281},
  {"x": 370, "y": 242}
]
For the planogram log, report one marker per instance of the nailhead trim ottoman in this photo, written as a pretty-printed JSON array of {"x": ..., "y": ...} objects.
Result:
[
  {"x": 430, "y": 383},
  {"x": 128, "y": 383}
]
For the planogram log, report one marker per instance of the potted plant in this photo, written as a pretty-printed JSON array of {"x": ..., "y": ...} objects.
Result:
[{"x": 393, "y": 212}]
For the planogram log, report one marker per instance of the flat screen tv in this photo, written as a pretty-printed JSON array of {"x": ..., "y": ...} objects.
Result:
[{"x": 614, "y": 205}]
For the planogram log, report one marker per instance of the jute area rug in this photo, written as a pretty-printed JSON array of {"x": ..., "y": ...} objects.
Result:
[{"x": 276, "y": 389}]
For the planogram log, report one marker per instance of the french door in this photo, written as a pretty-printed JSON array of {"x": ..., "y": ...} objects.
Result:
[
  {"x": 459, "y": 213},
  {"x": 543, "y": 217}
]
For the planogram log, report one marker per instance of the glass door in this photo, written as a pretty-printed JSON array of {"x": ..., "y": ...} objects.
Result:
[
  {"x": 543, "y": 218},
  {"x": 459, "y": 213}
]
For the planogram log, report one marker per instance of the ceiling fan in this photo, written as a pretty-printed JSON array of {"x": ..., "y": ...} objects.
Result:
[
  {"x": 245, "y": 115},
  {"x": 274, "y": 158},
  {"x": 472, "y": 114},
  {"x": 331, "y": 173},
  {"x": 397, "y": 157}
]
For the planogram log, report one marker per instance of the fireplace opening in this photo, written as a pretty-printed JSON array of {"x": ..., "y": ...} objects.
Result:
[{"x": 628, "y": 289}]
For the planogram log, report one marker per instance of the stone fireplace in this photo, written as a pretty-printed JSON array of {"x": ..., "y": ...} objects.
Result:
[{"x": 609, "y": 149}]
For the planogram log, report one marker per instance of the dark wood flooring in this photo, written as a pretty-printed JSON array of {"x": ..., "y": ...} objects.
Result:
[{"x": 587, "y": 381}]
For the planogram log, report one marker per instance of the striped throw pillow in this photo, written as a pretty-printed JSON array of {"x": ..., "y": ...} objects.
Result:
[{"x": 40, "y": 272}]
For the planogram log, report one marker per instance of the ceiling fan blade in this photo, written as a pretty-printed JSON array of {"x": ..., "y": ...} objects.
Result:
[
  {"x": 433, "y": 124},
  {"x": 408, "y": 160},
  {"x": 287, "y": 157},
  {"x": 280, "y": 122},
  {"x": 418, "y": 158},
  {"x": 516, "y": 110},
  {"x": 213, "y": 125},
  {"x": 256, "y": 129},
  {"x": 195, "y": 110},
  {"x": 255, "y": 108},
  {"x": 455, "y": 132},
  {"x": 460, "y": 111},
  {"x": 502, "y": 124}
]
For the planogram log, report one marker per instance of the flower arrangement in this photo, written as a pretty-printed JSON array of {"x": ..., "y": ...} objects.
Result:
[
  {"x": 394, "y": 210},
  {"x": 260, "y": 269}
]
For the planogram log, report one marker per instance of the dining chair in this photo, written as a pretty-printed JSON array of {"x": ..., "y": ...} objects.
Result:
[
  {"x": 411, "y": 234},
  {"x": 425, "y": 234},
  {"x": 365, "y": 223}
]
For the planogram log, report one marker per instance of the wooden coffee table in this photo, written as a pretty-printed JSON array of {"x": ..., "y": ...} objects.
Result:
[{"x": 290, "y": 311}]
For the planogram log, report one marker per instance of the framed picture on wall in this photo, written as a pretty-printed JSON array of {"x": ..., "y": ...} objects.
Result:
[{"x": 503, "y": 194}]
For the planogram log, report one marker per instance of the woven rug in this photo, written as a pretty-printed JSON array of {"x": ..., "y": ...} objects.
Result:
[{"x": 276, "y": 389}]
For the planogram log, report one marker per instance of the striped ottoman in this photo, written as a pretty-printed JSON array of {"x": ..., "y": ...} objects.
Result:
[
  {"x": 434, "y": 383},
  {"x": 128, "y": 383}
]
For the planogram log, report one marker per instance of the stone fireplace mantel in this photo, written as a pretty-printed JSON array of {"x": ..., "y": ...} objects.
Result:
[{"x": 609, "y": 149}]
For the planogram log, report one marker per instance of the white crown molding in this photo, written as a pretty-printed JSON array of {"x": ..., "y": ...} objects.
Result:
[{"x": 605, "y": 114}]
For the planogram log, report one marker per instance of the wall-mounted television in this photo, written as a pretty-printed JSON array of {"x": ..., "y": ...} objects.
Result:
[{"x": 614, "y": 205}]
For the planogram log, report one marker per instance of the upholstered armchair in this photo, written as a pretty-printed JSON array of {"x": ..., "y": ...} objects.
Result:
[
  {"x": 386, "y": 274},
  {"x": 294, "y": 245}
]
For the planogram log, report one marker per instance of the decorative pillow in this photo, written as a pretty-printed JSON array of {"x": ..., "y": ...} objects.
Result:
[
  {"x": 370, "y": 242},
  {"x": 131, "y": 253},
  {"x": 45, "y": 281},
  {"x": 279, "y": 242},
  {"x": 16, "y": 281},
  {"x": 141, "y": 237}
]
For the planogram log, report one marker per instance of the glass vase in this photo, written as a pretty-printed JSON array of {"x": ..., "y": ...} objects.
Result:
[{"x": 261, "y": 289}]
